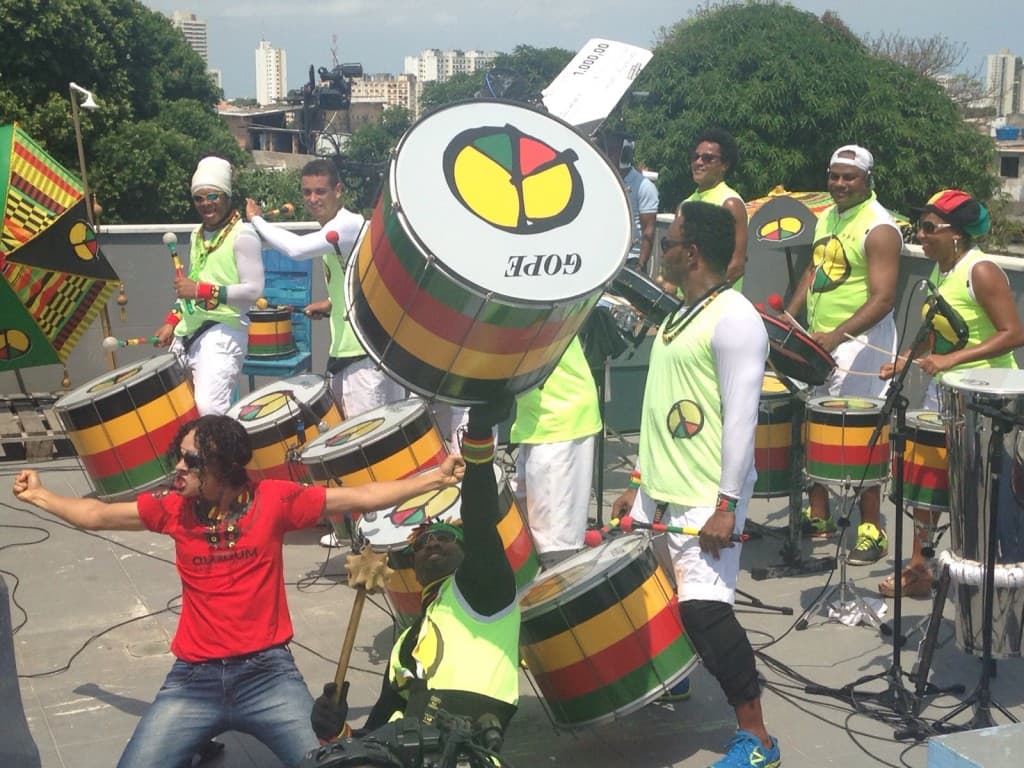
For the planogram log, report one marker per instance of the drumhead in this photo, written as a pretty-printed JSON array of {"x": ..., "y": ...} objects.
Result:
[
  {"x": 367, "y": 428},
  {"x": 830, "y": 404},
  {"x": 495, "y": 192},
  {"x": 113, "y": 383},
  {"x": 276, "y": 402},
  {"x": 994, "y": 381},
  {"x": 390, "y": 528},
  {"x": 928, "y": 421},
  {"x": 580, "y": 572}
]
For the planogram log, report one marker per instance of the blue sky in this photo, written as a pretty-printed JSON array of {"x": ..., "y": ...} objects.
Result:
[{"x": 380, "y": 33}]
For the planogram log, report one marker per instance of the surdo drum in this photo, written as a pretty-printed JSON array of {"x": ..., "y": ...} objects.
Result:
[
  {"x": 282, "y": 417},
  {"x": 122, "y": 425},
  {"x": 601, "y": 633},
  {"x": 389, "y": 531},
  {"x": 481, "y": 260},
  {"x": 970, "y": 436}
]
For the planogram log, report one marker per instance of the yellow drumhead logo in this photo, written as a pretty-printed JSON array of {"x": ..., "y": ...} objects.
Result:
[
  {"x": 354, "y": 432},
  {"x": 513, "y": 181},
  {"x": 114, "y": 380},
  {"x": 425, "y": 507},
  {"x": 685, "y": 419},
  {"x": 263, "y": 406}
]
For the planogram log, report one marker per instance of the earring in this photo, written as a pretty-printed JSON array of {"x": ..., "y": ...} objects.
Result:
[{"x": 956, "y": 245}]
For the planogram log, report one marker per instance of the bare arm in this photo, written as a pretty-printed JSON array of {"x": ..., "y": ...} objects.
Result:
[
  {"x": 882, "y": 249},
  {"x": 648, "y": 225},
  {"x": 89, "y": 514},
  {"x": 799, "y": 298},
  {"x": 381, "y": 495},
  {"x": 739, "y": 255}
]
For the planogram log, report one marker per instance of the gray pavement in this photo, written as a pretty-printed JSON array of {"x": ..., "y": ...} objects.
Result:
[{"x": 94, "y": 615}]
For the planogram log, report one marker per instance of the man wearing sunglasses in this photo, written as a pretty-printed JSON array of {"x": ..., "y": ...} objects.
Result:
[
  {"x": 849, "y": 290},
  {"x": 233, "y": 669},
  {"x": 462, "y": 654},
  {"x": 206, "y": 329}
]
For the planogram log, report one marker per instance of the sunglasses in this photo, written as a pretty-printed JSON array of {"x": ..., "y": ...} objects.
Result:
[
  {"x": 707, "y": 157},
  {"x": 193, "y": 463},
  {"x": 209, "y": 197},
  {"x": 441, "y": 537},
  {"x": 668, "y": 243},
  {"x": 930, "y": 227}
]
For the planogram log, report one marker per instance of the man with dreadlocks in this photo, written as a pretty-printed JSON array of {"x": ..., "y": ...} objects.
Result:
[
  {"x": 469, "y": 613},
  {"x": 233, "y": 669}
]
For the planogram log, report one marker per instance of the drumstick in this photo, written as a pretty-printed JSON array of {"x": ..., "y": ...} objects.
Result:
[
  {"x": 171, "y": 241},
  {"x": 112, "y": 342},
  {"x": 285, "y": 210},
  {"x": 877, "y": 349},
  {"x": 775, "y": 302},
  {"x": 627, "y": 523}
]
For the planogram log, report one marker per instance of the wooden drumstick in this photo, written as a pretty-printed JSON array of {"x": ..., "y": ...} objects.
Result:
[
  {"x": 367, "y": 570},
  {"x": 877, "y": 349},
  {"x": 171, "y": 241},
  {"x": 112, "y": 342},
  {"x": 776, "y": 303}
]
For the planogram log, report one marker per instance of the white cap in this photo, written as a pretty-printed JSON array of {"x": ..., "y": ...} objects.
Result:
[
  {"x": 212, "y": 173},
  {"x": 861, "y": 158}
]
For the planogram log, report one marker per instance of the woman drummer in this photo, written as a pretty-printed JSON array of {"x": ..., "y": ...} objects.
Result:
[{"x": 980, "y": 329}]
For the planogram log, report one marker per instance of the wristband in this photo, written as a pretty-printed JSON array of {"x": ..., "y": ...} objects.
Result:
[
  {"x": 726, "y": 504},
  {"x": 173, "y": 318},
  {"x": 634, "y": 479},
  {"x": 477, "y": 451}
]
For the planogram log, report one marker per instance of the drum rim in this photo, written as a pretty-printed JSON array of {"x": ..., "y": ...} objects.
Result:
[
  {"x": 421, "y": 409},
  {"x": 149, "y": 366},
  {"x": 960, "y": 381},
  {"x": 267, "y": 389}
]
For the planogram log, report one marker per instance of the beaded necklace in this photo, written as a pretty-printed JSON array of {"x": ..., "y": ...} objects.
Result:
[
  {"x": 222, "y": 529},
  {"x": 678, "y": 322},
  {"x": 206, "y": 248}
]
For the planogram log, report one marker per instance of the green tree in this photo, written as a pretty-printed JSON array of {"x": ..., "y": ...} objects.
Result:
[
  {"x": 157, "y": 115},
  {"x": 791, "y": 88}
]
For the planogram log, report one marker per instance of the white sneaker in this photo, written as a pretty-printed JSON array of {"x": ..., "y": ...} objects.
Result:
[{"x": 329, "y": 540}]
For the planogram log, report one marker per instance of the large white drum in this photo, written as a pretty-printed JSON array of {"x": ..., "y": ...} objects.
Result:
[{"x": 494, "y": 238}]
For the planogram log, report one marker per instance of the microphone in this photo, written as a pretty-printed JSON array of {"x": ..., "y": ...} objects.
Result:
[
  {"x": 332, "y": 238},
  {"x": 941, "y": 305},
  {"x": 171, "y": 241},
  {"x": 776, "y": 303},
  {"x": 285, "y": 210}
]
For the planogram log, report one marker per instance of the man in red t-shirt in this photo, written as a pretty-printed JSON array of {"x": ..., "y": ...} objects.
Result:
[{"x": 233, "y": 669}]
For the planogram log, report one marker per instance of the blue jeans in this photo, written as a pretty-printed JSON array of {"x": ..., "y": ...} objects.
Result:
[{"x": 263, "y": 695}]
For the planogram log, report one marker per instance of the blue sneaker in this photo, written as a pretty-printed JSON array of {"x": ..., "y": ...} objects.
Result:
[
  {"x": 744, "y": 750},
  {"x": 678, "y": 692}
]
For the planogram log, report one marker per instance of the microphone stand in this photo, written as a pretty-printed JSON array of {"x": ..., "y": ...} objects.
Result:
[{"x": 896, "y": 696}]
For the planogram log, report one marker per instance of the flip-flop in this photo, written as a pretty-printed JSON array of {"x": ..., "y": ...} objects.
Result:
[{"x": 916, "y": 583}]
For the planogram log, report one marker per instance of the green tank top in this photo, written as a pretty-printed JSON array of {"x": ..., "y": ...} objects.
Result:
[
  {"x": 211, "y": 261},
  {"x": 970, "y": 324},
  {"x": 681, "y": 423},
  {"x": 564, "y": 407},
  {"x": 718, "y": 195},
  {"x": 344, "y": 342},
  {"x": 459, "y": 652},
  {"x": 840, "y": 284}
]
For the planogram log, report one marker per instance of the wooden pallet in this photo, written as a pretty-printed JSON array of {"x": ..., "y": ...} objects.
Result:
[{"x": 30, "y": 430}]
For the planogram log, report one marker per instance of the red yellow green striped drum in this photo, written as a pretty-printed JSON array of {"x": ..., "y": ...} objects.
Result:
[
  {"x": 386, "y": 443},
  {"x": 122, "y": 425},
  {"x": 481, "y": 261},
  {"x": 270, "y": 333},
  {"x": 925, "y": 466},
  {"x": 837, "y": 432},
  {"x": 389, "y": 531},
  {"x": 601, "y": 633},
  {"x": 773, "y": 439},
  {"x": 276, "y": 415}
]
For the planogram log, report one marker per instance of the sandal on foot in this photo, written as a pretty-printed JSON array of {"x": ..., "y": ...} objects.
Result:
[{"x": 916, "y": 583}]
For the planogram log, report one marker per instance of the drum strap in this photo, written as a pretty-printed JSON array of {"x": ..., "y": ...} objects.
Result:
[
  {"x": 336, "y": 365},
  {"x": 192, "y": 338}
]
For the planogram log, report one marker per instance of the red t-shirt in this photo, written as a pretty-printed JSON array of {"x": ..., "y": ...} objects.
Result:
[{"x": 233, "y": 599}]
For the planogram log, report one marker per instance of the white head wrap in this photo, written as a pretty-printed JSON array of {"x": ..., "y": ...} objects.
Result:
[{"x": 212, "y": 173}]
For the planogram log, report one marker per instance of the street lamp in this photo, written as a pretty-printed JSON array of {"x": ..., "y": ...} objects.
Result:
[{"x": 89, "y": 103}]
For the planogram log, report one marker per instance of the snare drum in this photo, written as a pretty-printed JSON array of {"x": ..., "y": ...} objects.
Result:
[
  {"x": 270, "y": 333},
  {"x": 389, "y": 531},
  {"x": 925, "y": 468},
  {"x": 837, "y": 431},
  {"x": 276, "y": 415},
  {"x": 601, "y": 633},
  {"x": 646, "y": 296},
  {"x": 969, "y": 432},
  {"x": 387, "y": 443},
  {"x": 123, "y": 423},
  {"x": 773, "y": 439},
  {"x": 795, "y": 354},
  {"x": 480, "y": 262}
]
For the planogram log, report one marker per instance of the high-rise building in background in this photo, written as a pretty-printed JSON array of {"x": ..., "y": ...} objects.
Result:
[
  {"x": 194, "y": 30},
  {"x": 271, "y": 73},
  {"x": 434, "y": 64},
  {"x": 1003, "y": 82},
  {"x": 390, "y": 90}
]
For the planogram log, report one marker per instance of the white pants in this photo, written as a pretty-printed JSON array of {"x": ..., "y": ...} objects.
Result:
[
  {"x": 552, "y": 484},
  {"x": 214, "y": 360},
  {"x": 362, "y": 386},
  {"x": 860, "y": 364},
  {"x": 699, "y": 576}
]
